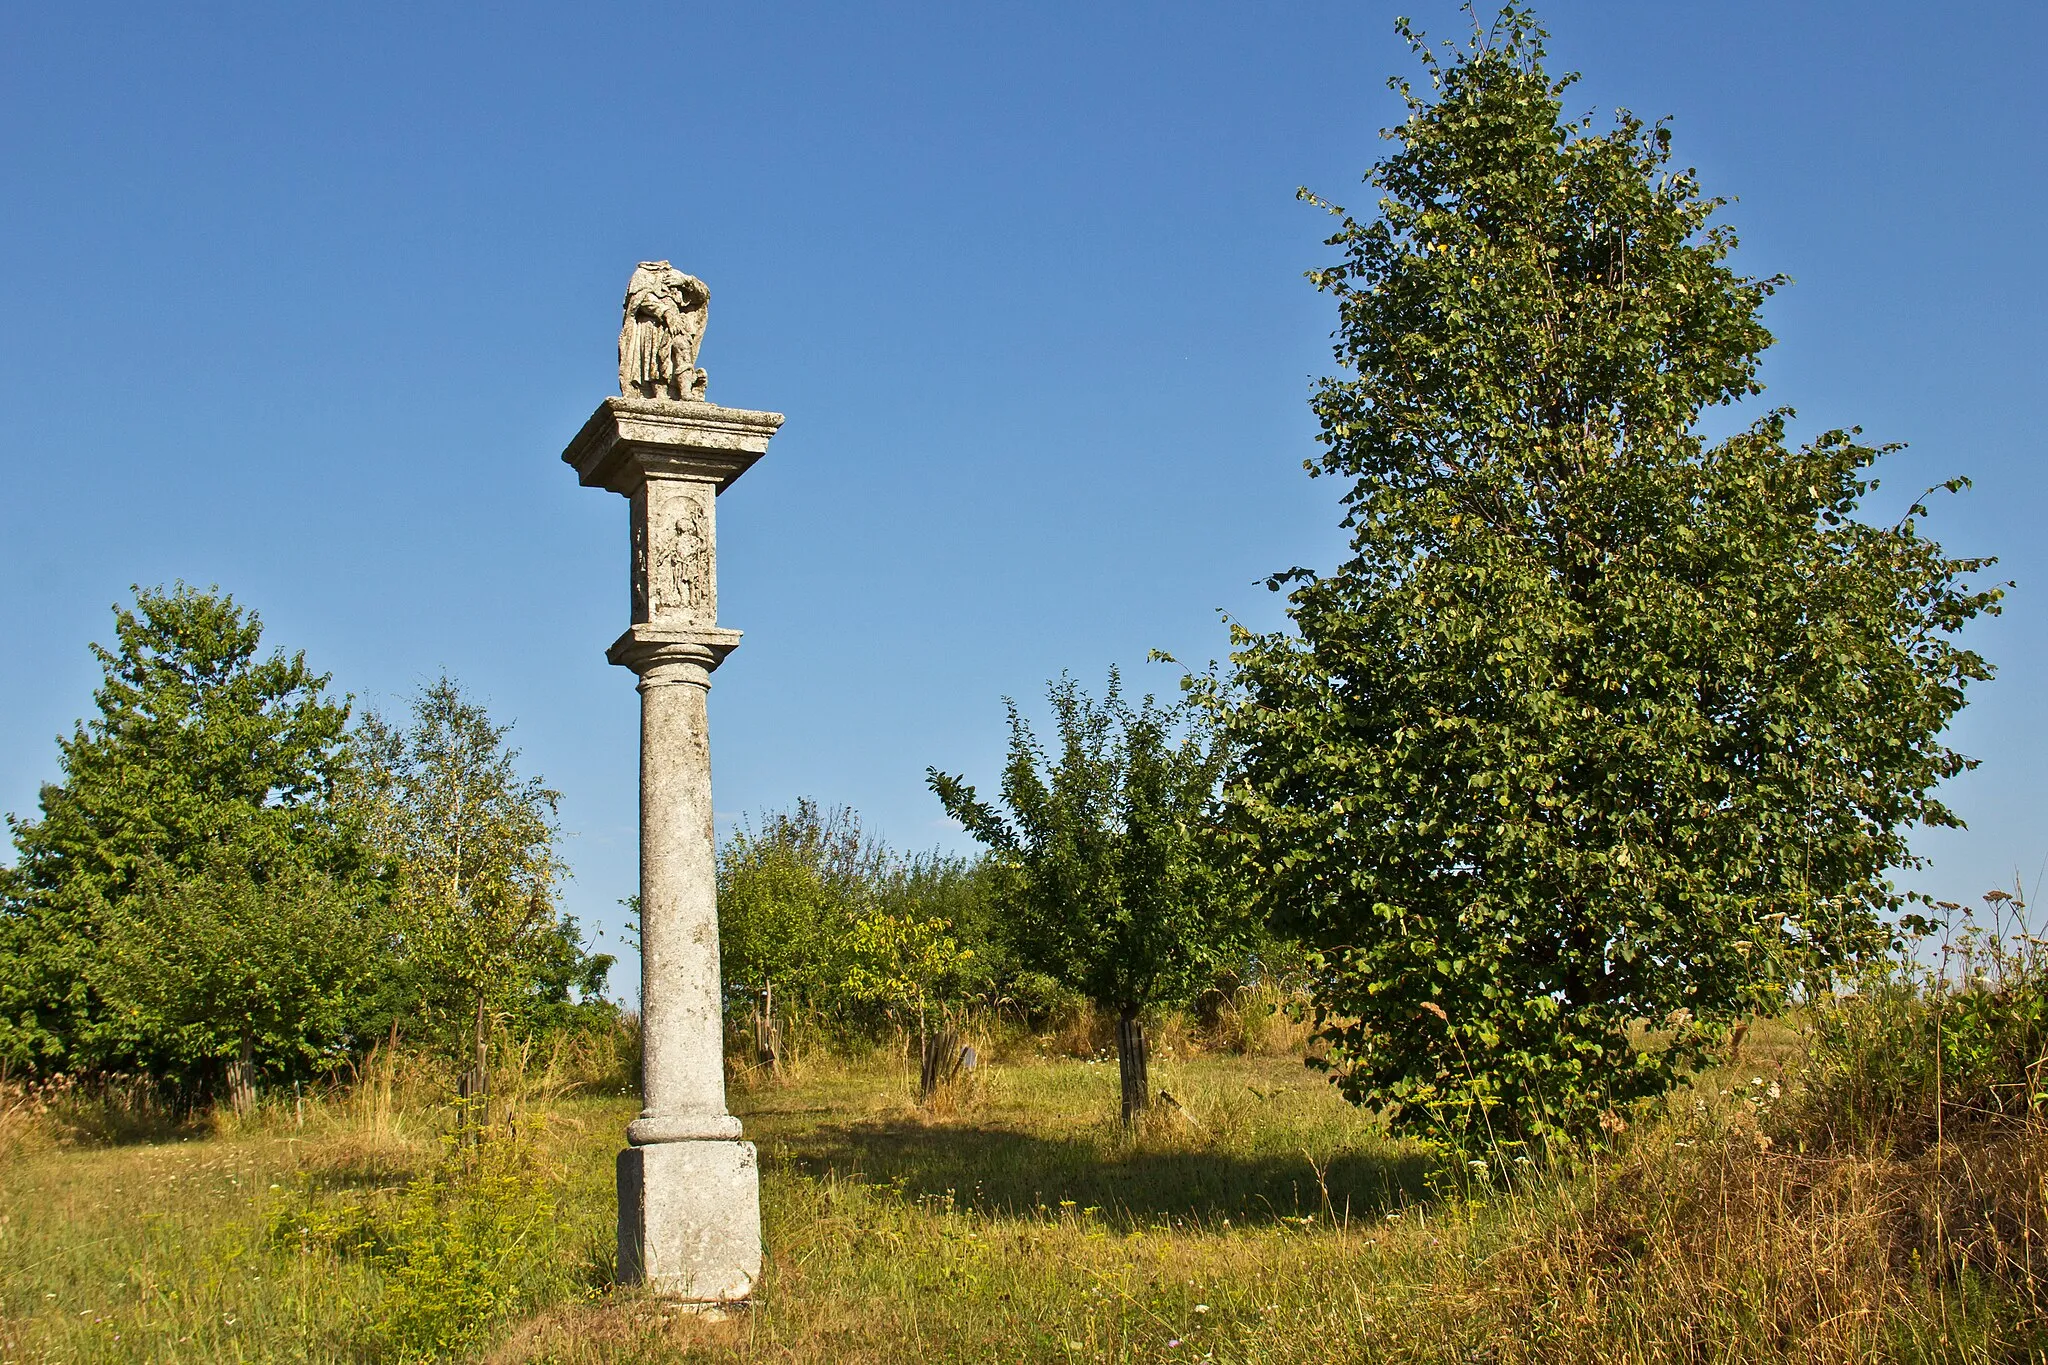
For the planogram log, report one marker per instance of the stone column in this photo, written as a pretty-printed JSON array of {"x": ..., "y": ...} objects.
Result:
[{"x": 689, "y": 1190}]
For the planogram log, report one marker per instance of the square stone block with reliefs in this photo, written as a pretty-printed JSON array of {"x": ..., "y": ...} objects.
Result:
[{"x": 690, "y": 1219}]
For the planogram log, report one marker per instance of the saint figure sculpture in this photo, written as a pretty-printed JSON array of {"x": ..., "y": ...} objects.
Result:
[{"x": 664, "y": 325}]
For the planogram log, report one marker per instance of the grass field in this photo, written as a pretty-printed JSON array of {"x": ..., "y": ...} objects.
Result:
[{"x": 1264, "y": 1220}]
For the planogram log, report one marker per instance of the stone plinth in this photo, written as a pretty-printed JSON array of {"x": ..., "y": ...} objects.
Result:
[
  {"x": 690, "y": 1219},
  {"x": 689, "y": 1190}
]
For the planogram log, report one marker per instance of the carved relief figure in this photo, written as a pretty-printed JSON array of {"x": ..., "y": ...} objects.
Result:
[
  {"x": 663, "y": 327},
  {"x": 682, "y": 577}
]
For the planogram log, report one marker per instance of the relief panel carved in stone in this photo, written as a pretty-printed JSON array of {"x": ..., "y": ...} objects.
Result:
[{"x": 675, "y": 579}]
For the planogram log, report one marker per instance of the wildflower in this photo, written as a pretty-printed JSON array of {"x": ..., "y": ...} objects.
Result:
[
  {"x": 1201, "y": 1308},
  {"x": 1173, "y": 1343},
  {"x": 1775, "y": 1090},
  {"x": 1477, "y": 1166}
]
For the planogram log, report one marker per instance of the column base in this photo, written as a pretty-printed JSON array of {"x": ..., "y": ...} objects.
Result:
[
  {"x": 701, "y": 1126},
  {"x": 690, "y": 1220}
]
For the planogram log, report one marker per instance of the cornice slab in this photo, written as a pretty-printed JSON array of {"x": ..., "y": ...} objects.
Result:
[{"x": 630, "y": 440}]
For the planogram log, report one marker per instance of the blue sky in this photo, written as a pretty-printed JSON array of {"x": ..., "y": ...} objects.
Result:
[{"x": 305, "y": 302}]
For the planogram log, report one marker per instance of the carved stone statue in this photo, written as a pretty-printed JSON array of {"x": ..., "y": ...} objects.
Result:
[{"x": 663, "y": 327}]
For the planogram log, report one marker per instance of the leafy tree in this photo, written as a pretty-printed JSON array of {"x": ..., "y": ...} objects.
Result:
[
  {"x": 814, "y": 912},
  {"x": 1109, "y": 889},
  {"x": 900, "y": 966},
  {"x": 1602, "y": 723},
  {"x": 232, "y": 967},
  {"x": 191, "y": 809},
  {"x": 787, "y": 896},
  {"x": 469, "y": 842}
]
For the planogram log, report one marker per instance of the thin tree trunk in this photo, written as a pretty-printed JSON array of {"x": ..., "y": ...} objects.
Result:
[
  {"x": 242, "y": 1075},
  {"x": 767, "y": 1034},
  {"x": 480, "y": 1075},
  {"x": 1131, "y": 1064}
]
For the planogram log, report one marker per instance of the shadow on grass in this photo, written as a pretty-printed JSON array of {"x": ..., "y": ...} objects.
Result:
[
  {"x": 96, "y": 1127},
  {"x": 1004, "y": 1172}
]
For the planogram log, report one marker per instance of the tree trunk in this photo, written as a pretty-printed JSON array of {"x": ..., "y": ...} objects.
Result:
[
  {"x": 476, "y": 1086},
  {"x": 1131, "y": 1064},
  {"x": 941, "y": 1059},
  {"x": 767, "y": 1034},
  {"x": 242, "y": 1075}
]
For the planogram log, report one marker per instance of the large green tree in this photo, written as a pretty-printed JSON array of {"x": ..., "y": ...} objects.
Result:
[
  {"x": 1110, "y": 888},
  {"x": 1603, "y": 723},
  {"x": 188, "y": 846}
]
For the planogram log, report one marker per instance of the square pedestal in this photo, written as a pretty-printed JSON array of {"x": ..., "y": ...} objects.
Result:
[{"x": 690, "y": 1219}]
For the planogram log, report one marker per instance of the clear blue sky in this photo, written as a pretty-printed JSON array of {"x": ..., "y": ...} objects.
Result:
[{"x": 306, "y": 301}]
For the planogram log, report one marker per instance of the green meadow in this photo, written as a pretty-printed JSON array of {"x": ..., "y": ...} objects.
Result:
[{"x": 1256, "y": 1218}]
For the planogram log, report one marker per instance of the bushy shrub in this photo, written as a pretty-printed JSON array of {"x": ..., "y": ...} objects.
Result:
[
  {"x": 458, "y": 1250},
  {"x": 1949, "y": 1031}
]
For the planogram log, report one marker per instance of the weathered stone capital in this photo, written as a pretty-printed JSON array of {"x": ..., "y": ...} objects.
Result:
[
  {"x": 630, "y": 440},
  {"x": 664, "y": 655}
]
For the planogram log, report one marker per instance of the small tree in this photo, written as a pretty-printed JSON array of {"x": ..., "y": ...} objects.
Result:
[
  {"x": 1110, "y": 891},
  {"x": 192, "y": 810},
  {"x": 813, "y": 912},
  {"x": 1601, "y": 725},
  {"x": 470, "y": 844},
  {"x": 788, "y": 893}
]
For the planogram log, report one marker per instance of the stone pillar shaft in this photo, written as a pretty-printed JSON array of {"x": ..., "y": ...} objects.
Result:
[{"x": 682, "y": 1024}]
